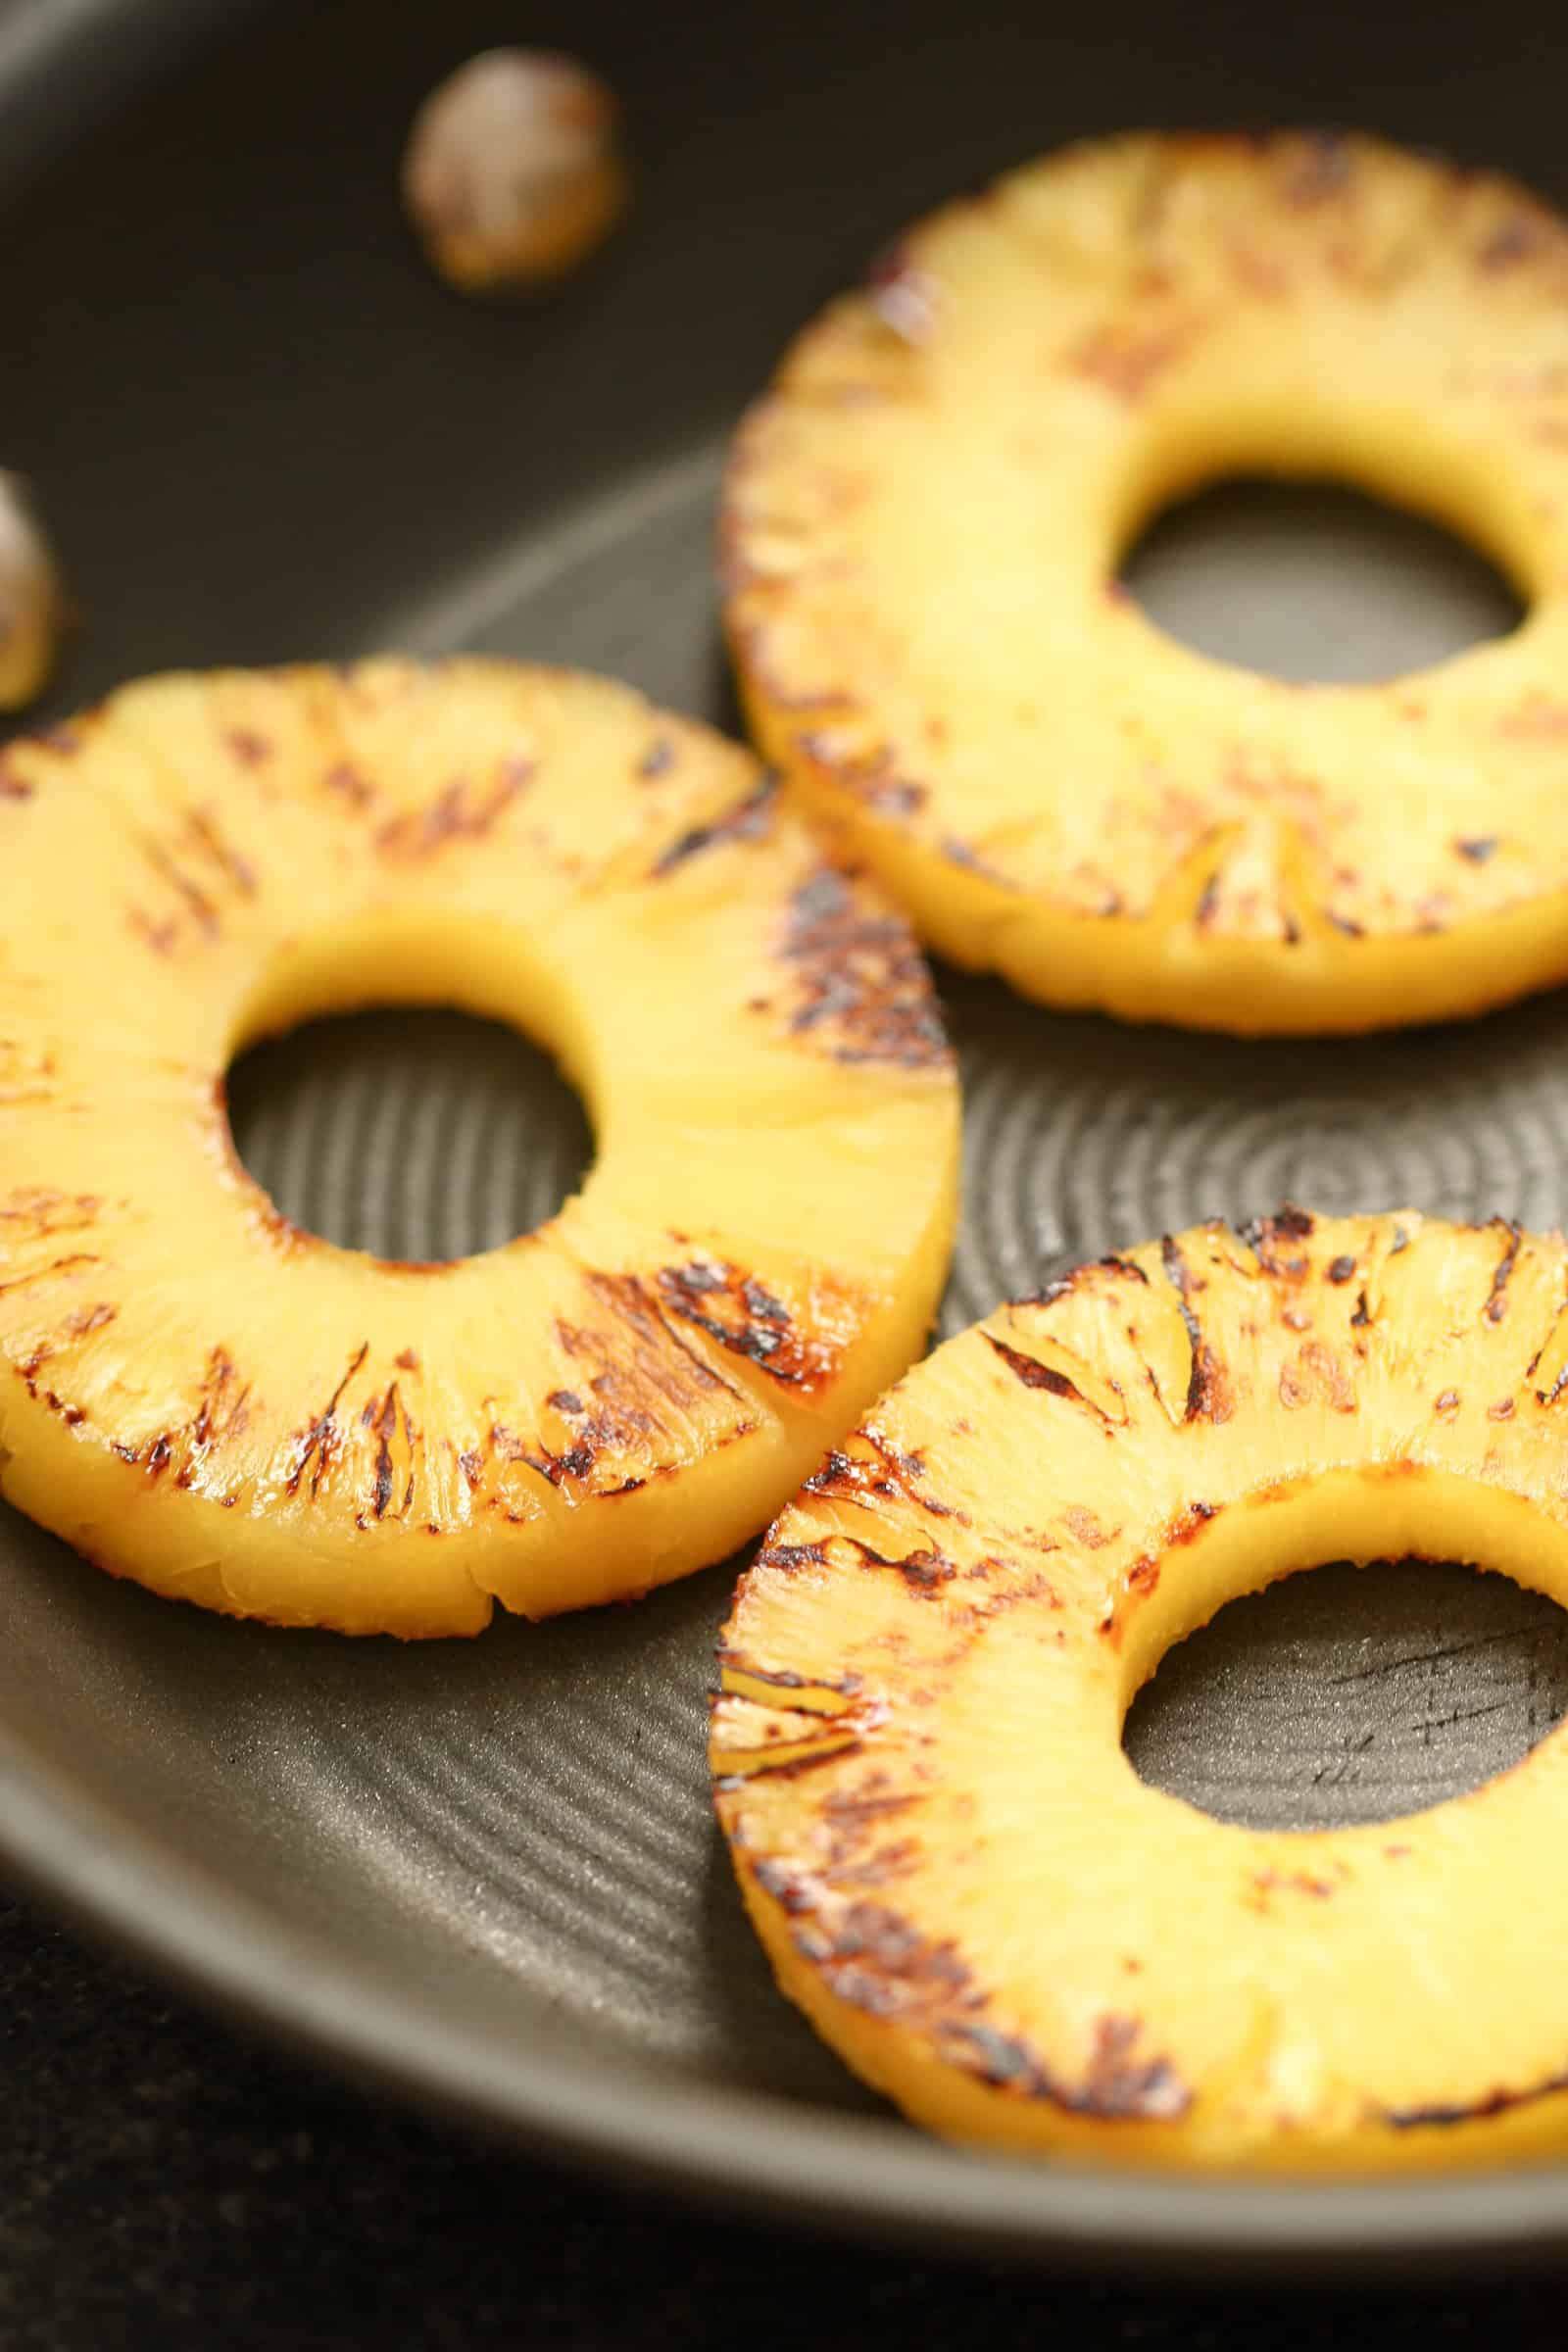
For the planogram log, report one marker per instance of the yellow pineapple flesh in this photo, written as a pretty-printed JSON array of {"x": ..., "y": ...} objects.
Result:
[
  {"x": 916, "y": 1747},
  {"x": 198, "y": 1395},
  {"x": 924, "y": 519}
]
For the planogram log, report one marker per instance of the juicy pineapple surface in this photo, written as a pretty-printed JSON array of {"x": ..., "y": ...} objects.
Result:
[
  {"x": 924, "y": 519},
  {"x": 916, "y": 1746},
  {"x": 197, "y": 1394}
]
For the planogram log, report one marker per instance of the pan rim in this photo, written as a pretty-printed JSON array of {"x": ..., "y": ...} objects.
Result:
[{"x": 736, "y": 2151}]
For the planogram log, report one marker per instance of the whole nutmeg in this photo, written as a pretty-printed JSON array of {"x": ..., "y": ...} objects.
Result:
[
  {"x": 33, "y": 604},
  {"x": 511, "y": 173}
]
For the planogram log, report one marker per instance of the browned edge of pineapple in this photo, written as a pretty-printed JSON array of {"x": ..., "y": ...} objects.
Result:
[
  {"x": 916, "y": 1745},
  {"x": 925, "y": 516},
  {"x": 198, "y": 1395}
]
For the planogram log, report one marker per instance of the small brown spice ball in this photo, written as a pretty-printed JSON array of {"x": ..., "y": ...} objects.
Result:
[
  {"x": 32, "y": 604},
  {"x": 512, "y": 174}
]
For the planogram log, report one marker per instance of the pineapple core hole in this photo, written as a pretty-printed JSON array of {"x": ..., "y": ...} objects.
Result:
[
  {"x": 1349, "y": 1694},
  {"x": 1314, "y": 583},
  {"x": 412, "y": 1133}
]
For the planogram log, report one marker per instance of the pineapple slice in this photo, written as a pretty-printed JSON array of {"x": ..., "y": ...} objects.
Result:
[
  {"x": 924, "y": 519},
  {"x": 954, "y": 1867},
  {"x": 196, "y": 1393}
]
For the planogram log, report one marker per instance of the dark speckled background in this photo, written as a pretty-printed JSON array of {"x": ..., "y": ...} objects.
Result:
[{"x": 169, "y": 2185}]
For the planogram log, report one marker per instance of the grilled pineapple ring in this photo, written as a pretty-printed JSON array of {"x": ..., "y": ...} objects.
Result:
[
  {"x": 955, "y": 1869},
  {"x": 198, "y": 1395},
  {"x": 924, "y": 519}
]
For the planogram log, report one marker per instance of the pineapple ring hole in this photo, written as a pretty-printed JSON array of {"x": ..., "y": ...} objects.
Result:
[
  {"x": 414, "y": 1132},
  {"x": 1318, "y": 583},
  {"x": 1347, "y": 1694}
]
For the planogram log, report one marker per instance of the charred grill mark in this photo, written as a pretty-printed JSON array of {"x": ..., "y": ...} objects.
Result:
[
  {"x": 852, "y": 1812},
  {"x": 1116, "y": 2088},
  {"x": 92, "y": 1319},
  {"x": 740, "y": 1313},
  {"x": 783, "y": 1678},
  {"x": 1496, "y": 1305},
  {"x": 59, "y": 1265},
  {"x": 1209, "y": 1394},
  {"x": 746, "y": 1766},
  {"x": 249, "y": 746},
  {"x": 236, "y": 869},
  {"x": 1120, "y": 2087},
  {"x": 861, "y": 979},
  {"x": 1341, "y": 1269},
  {"x": 457, "y": 815},
  {"x": 1192, "y": 1522},
  {"x": 1478, "y": 849},
  {"x": 872, "y": 775},
  {"x": 162, "y": 937},
  {"x": 791, "y": 1890},
  {"x": 1496, "y": 2102},
  {"x": 845, "y": 1478},
  {"x": 320, "y": 1442},
  {"x": 195, "y": 898},
  {"x": 1085, "y": 1529},
  {"x": 748, "y": 821},
  {"x": 627, "y": 1298},
  {"x": 1035, "y": 1375},
  {"x": 1129, "y": 360},
  {"x": 1264, "y": 1237},
  {"x": 620, "y": 1417},
  {"x": 576, "y": 1462},
  {"x": 658, "y": 759},
  {"x": 223, "y": 1411},
  {"x": 384, "y": 1424},
  {"x": 1178, "y": 1275},
  {"x": 788, "y": 1557},
  {"x": 879, "y": 1962},
  {"x": 1002, "y": 2060},
  {"x": 924, "y": 1570},
  {"x": 733, "y": 1308}
]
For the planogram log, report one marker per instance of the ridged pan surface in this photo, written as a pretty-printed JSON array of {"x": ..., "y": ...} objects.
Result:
[{"x": 488, "y": 1871}]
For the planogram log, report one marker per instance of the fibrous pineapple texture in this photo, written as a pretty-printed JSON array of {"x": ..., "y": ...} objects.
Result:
[
  {"x": 917, "y": 1753},
  {"x": 197, "y": 1394},
  {"x": 924, "y": 520}
]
